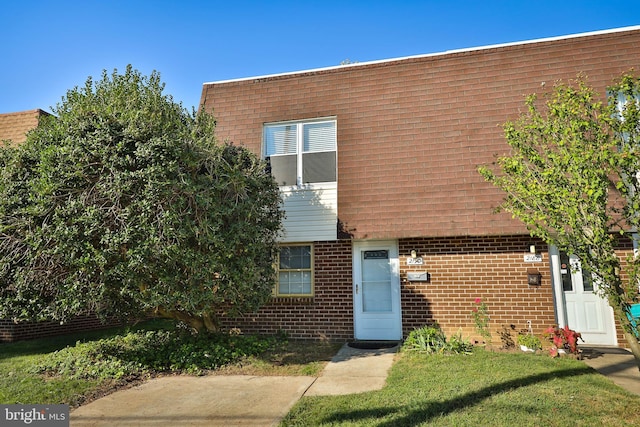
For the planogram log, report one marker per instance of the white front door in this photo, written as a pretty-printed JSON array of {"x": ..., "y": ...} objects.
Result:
[
  {"x": 376, "y": 291},
  {"x": 583, "y": 309}
]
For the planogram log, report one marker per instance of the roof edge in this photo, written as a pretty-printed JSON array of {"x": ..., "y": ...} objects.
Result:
[
  {"x": 429, "y": 55},
  {"x": 38, "y": 111}
]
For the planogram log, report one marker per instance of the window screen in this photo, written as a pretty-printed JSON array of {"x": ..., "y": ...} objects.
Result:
[
  {"x": 302, "y": 152},
  {"x": 319, "y": 137},
  {"x": 281, "y": 140},
  {"x": 295, "y": 272}
]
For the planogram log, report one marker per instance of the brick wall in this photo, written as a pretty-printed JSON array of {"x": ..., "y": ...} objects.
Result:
[
  {"x": 465, "y": 268},
  {"x": 326, "y": 316},
  {"x": 11, "y": 331},
  {"x": 623, "y": 250},
  {"x": 461, "y": 269},
  {"x": 412, "y": 132},
  {"x": 14, "y": 126}
]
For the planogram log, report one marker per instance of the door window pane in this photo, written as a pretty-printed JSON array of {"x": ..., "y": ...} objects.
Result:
[
  {"x": 587, "y": 281},
  {"x": 376, "y": 282},
  {"x": 565, "y": 272}
]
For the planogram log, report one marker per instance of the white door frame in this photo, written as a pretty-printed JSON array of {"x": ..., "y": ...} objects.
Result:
[
  {"x": 560, "y": 302},
  {"x": 390, "y": 322}
]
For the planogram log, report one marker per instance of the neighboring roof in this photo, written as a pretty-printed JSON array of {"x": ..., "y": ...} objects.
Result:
[
  {"x": 14, "y": 126},
  {"x": 360, "y": 64}
]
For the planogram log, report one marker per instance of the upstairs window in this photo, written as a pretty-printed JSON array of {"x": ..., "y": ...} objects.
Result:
[
  {"x": 627, "y": 106},
  {"x": 301, "y": 152}
]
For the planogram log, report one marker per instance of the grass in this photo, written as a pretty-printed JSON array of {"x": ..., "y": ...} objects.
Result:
[
  {"x": 287, "y": 358},
  {"x": 485, "y": 388},
  {"x": 20, "y": 384}
]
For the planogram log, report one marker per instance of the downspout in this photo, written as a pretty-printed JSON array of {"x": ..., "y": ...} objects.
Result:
[{"x": 556, "y": 282}]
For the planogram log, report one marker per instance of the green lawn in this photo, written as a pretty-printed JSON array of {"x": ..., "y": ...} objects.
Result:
[
  {"x": 19, "y": 385},
  {"x": 133, "y": 357},
  {"x": 486, "y": 388},
  {"x": 483, "y": 388}
]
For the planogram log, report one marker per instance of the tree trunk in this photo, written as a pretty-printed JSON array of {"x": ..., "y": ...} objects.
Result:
[
  {"x": 626, "y": 325},
  {"x": 196, "y": 322},
  {"x": 210, "y": 323},
  {"x": 634, "y": 345}
]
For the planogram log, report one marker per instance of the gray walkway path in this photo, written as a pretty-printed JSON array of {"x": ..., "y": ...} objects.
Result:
[
  {"x": 615, "y": 363},
  {"x": 354, "y": 371},
  {"x": 238, "y": 400},
  {"x": 262, "y": 401}
]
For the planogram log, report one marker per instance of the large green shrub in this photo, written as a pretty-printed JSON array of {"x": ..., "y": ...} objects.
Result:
[
  {"x": 141, "y": 353},
  {"x": 123, "y": 203}
]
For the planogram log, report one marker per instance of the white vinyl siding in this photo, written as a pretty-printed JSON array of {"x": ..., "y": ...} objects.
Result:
[{"x": 311, "y": 213}]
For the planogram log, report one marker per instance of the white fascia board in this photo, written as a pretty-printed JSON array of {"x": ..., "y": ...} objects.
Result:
[{"x": 428, "y": 55}]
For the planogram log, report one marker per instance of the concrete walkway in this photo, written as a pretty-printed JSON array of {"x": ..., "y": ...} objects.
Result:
[
  {"x": 354, "y": 371},
  {"x": 237, "y": 400},
  {"x": 243, "y": 400},
  {"x": 615, "y": 363}
]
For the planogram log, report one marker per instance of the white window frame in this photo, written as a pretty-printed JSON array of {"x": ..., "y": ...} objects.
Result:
[
  {"x": 299, "y": 124},
  {"x": 310, "y": 270}
]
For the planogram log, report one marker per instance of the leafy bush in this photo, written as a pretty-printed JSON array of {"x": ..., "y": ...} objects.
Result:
[
  {"x": 458, "y": 345},
  {"x": 564, "y": 339},
  {"x": 431, "y": 339},
  {"x": 529, "y": 341},
  {"x": 123, "y": 203},
  {"x": 428, "y": 339},
  {"x": 141, "y": 353},
  {"x": 480, "y": 315}
]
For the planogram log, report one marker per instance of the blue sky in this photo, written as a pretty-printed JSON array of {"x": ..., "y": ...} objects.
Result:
[{"x": 49, "y": 47}]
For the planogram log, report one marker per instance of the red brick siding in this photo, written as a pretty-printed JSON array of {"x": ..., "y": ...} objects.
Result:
[
  {"x": 465, "y": 268},
  {"x": 326, "y": 316},
  {"x": 461, "y": 269},
  {"x": 14, "y": 126},
  {"x": 412, "y": 132},
  {"x": 624, "y": 250}
]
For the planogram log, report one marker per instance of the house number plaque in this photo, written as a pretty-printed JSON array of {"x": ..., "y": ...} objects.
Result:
[{"x": 415, "y": 261}]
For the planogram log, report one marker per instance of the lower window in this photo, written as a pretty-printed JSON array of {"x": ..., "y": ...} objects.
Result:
[{"x": 295, "y": 270}]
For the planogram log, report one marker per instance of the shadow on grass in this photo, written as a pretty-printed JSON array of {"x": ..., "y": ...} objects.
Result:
[
  {"x": 438, "y": 409},
  {"x": 46, "y": 345},
  {"x": 58, "y": 342}
]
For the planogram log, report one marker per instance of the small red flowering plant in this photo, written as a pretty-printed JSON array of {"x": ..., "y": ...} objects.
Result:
[{"x": 563, "y": 339}]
